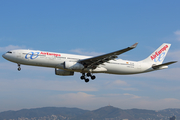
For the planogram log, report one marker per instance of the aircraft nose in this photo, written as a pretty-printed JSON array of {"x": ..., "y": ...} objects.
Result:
[{"x": 3, "y": 55}]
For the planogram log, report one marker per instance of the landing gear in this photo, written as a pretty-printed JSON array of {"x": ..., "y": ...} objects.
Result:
[
  {"x": 88, "y": 74},
  {"x": 84, "y": 77},
  {"x": 86, "y": 80},
  {"x": 93, "y": 77},
  {"x": 19, "y": 67}
]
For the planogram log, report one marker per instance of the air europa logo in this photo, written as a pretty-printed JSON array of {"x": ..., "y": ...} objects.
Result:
[
  {"x": 157, "y": 53},
  {"x": 47, "y": 53},
  {"x": 32, "y": 55}
]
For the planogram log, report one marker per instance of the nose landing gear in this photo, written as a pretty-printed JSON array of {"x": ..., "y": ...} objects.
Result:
[
  {"x": 19, "y": 67},
  {"x": 84, "y": 77}
]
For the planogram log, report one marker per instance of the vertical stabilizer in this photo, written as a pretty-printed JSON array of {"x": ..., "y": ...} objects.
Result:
[{"x": 157, "y": 57}]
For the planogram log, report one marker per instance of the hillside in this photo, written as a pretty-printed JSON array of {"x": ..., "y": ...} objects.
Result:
[{"x": 104, "y": 113}]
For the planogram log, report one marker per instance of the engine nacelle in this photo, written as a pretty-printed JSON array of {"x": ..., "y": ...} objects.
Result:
[
  {"x": 63, "y": 72},
  {"x": 73, "y": 66}
]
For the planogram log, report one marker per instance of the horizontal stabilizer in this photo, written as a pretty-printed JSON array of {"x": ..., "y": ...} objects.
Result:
[{"x": 164, "y": 64}]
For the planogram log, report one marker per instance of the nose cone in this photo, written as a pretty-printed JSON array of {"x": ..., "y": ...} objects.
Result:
[
  {"x": 3, "y": 55},
  {"x": 7, "y": 56}
]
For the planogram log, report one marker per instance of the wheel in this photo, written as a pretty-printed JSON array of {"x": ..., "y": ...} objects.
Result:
[
  {"x": 19, "y": 69},
  {"x": 86, "y": 80},
  {"x": 82, "y": 77},
  {"x": 93, "y": 77},
  {"x": 88, "y": 74}
]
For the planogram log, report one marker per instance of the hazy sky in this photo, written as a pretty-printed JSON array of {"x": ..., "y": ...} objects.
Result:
[{"x": 89, "y": 27}]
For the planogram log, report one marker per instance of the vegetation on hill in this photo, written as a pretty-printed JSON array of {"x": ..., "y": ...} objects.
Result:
[{"x": 104, "y": 113}]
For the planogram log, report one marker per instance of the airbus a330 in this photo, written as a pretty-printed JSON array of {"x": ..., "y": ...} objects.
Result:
[{"x": 67, "y": 64}]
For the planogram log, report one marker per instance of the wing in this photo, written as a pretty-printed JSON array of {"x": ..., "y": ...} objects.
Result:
[{"x": 95, "y": 61}]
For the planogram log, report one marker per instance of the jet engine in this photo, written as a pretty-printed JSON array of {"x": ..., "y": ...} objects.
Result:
[
  {"x": 63, "y": 72},
  {"x": 73, "y": 65}
]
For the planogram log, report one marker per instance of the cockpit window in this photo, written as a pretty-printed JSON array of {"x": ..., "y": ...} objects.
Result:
[{"x": 9, "y": 52}]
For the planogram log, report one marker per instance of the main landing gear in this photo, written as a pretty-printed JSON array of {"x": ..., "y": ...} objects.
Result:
[
  {"x": 84, "y": 77},
  {"x": 19, "y": 67}
]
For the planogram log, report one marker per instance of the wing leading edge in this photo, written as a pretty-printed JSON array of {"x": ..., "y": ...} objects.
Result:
[{"x": 95, "y": 61}]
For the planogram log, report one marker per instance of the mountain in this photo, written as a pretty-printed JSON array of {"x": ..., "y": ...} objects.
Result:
[
  {"x": 41, "y": 112},
  {"x": 101, "y": 113},
  {"x": 104, "y": 113}
]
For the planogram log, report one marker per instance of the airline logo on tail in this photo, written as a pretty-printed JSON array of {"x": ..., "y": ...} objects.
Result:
[{"x": 159, "y": 55}]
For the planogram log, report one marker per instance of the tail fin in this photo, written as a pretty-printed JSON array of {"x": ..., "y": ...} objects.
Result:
[{"x": 157, "y": 57}]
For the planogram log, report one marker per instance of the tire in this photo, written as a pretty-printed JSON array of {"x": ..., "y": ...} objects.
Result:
[
  {"x": 87, "y": 80},
  {"x": 19, "y": 69},
  {"x": 82, "y": 77},
  {"x": 93, "y": 77}
]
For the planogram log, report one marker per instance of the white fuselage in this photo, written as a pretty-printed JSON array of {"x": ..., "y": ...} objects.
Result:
[{"x": 57, "y": 60}]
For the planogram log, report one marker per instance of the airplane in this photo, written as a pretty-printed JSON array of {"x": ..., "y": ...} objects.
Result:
[{"x": 67, "y": 64}]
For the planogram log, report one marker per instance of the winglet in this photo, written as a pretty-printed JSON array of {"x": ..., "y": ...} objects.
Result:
[{"x": 134, "y": 45}]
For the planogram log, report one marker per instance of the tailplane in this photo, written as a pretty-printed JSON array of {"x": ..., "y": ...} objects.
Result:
[
  {"x": 164, "y": 65},
  {"x": 157, "y": 57}
]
